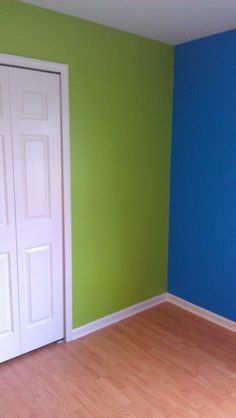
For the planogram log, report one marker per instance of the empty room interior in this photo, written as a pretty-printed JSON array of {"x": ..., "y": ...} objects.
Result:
[{"x": 117, "y": 208}]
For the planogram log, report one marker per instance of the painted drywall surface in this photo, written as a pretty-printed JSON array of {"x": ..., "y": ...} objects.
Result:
[
  {"x": 120, "y": 102},
  {"x": 202, "y": 240}
]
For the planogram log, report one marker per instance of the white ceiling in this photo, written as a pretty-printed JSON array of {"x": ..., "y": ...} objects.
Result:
[{"x": 171, "y": 21}]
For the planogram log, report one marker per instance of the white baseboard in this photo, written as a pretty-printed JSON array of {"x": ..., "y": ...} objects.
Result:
[
  {"x": 147, "y": 304},
  {"x": 117, "y": 316},
  {"x": 204, "y": 313}
]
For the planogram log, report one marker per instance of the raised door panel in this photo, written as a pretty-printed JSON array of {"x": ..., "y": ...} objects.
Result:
[
  {"x": 3, "y": 184},
  {"x": 6, "y": 318},
  {"x": 39, "y": 271},
  {"x": 32, "y": 104},
  {"x": 35, "y": 107},
  {"x": 36, "y": 176},
  {"x": 9, "y": 301}
]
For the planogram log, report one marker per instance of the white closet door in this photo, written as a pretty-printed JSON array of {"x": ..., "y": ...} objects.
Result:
[
  {"x": 35, "y": 117},
  {"x": 9, "y": 305}
]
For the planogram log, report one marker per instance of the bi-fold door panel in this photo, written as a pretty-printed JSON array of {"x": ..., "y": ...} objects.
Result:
[
  {"x": 31, "y": 241},
  {"x": 9, "y": 302},
  {"x": 35, "y": 114}
]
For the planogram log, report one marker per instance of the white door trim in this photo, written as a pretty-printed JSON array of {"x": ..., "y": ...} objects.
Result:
[{"x": 62, "y": 69}]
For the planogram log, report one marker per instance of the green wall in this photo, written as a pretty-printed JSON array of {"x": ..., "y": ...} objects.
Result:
[{"x": 120, "y": 103}]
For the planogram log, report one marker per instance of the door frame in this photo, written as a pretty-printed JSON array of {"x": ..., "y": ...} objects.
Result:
[{"x": 63, "y": 71}]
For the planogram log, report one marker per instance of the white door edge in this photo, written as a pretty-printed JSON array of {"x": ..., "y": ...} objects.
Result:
[{"x": 62, "y": 69}]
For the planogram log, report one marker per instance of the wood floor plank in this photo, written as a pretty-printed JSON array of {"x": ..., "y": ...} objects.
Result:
[{"x": 161, "y": 363}]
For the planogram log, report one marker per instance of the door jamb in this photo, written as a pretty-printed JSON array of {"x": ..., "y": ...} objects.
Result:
[{"x": 62, "y": 70}]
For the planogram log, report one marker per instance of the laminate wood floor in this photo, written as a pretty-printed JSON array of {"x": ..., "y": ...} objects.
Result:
[{"x": 164, "y": 362}]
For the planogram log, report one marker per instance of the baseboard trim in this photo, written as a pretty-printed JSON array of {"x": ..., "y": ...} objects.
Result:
[
  {"x": 147, "y": 304},
  {"x": 204, "y": 313},
  {"x": 117, "y": 316}
]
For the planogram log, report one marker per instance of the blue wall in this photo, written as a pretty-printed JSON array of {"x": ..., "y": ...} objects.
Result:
[{"x": 202, "y": 240}]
